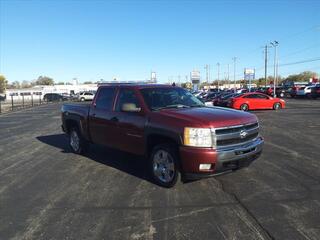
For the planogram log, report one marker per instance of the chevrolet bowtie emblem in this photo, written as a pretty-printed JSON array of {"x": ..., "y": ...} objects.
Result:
[{"x": 243, "y": 133}]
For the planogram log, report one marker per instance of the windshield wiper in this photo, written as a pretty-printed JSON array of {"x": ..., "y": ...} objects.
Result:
[
  {"x": 171, "y": 106},
  {"x": 198, "y": 105}
]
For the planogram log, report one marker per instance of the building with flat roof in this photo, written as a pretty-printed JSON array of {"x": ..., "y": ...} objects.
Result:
[{"x": 41, "y": 90}]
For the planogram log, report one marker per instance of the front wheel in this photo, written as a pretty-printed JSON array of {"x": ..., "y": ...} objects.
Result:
[
  {"x": 82, "y": 99},
  {"x": 164, "y": 165},
  {"x": 276, "y": 106},
  {"x": 77, "y": 143},
  {"x": 244, "y": 107}
]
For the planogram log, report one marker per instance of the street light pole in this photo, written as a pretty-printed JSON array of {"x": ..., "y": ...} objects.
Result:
[
  {"x": 266, "y": 64},
  {"x": 234, "y": 72},
  {"x": 275, "y": 44},
  {"x": 218, "y": 64},
  {"x": 228, "y": 75},
  {"x": 207, "y": 74}
]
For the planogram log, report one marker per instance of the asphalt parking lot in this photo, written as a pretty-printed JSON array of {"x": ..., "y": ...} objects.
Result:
[{"x": 47, "y": 192}]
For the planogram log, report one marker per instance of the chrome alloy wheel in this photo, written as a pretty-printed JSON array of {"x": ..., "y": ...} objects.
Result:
[
  {"x": 163, "y": 166},
  {"x": 74, "y": 141}
]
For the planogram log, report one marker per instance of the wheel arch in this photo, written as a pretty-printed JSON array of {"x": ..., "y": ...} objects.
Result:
[
  {"x": 155, "y": 139},
  {"x": 71, "y": 123}
]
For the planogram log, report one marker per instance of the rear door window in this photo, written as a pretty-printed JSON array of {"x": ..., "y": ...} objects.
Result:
[
  {"x": 126, "y": 96},
  {"x": 105, "y": 98}
]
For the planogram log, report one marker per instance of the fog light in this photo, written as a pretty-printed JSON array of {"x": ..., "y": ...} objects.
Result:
[{"x": 204, "y": 166}]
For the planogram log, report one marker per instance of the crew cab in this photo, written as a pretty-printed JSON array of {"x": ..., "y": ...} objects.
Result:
[{"x": 175, "y": 131}]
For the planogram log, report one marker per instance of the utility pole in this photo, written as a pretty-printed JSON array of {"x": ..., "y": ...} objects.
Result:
[
  {"x": 275, "y": 71},
  {"x": 207, "y": 73},
  {"x": 234, "y": 71},
  {"x": 218, "y": 65},
  {"x": 228, "y": 75},
  {"x": 266, "y": 64}
]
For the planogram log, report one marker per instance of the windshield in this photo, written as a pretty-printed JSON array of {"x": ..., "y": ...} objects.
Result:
[{"x": 161, "y": 98}]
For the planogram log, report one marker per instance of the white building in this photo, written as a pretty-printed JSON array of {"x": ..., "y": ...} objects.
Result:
[{"x": 37, "y": 92}]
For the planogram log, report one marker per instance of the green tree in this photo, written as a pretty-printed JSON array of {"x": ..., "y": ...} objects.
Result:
[
  {"x": 3, "y": 84},
  {"x": 301, "y": 77},
  {"x": 87, "y": 82},
  {"x": 44, "y": 80},
  {"x": 60, "y": 83}
]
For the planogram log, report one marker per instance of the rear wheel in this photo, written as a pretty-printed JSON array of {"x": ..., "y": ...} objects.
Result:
[
  {"x": 244, "y": 107},
  {"x": 77, "y": 143},
  {"x": 164, "y": 165},
  {"x": 276, "y": 106}
]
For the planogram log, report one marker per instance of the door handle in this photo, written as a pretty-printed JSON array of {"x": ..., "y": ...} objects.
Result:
[{"x": 114, "y": 119}]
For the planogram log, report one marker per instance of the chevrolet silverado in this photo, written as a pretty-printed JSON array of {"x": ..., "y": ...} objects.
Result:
[{"x": 175, "y": 131}]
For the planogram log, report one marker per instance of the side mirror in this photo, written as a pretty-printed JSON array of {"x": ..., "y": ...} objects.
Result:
[{"x": 130, "y": 107}]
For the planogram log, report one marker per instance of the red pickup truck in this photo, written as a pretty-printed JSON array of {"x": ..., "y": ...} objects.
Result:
[{"x": 179, "y": 135}]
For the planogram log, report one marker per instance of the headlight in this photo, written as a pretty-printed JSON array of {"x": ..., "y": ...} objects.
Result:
[{"x": 197, "y": 137}]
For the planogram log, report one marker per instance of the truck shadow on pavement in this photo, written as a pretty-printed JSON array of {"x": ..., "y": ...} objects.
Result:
[{"x": 125, "y": 162}]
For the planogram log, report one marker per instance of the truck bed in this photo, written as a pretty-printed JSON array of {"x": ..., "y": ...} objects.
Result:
[{"x": 77, "y": 112}]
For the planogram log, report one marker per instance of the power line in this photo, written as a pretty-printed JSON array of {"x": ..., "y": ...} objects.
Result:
[
  {"x": 301, "y": 33},
  {"x": 302, "y": 50},
  {"x": 299, "y": 62}
]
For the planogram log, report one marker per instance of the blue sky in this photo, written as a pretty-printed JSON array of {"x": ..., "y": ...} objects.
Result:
[{"x": 94, "y": 40}]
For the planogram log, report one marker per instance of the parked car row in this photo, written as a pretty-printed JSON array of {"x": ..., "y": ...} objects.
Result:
[
  {"x": 82, "y": 96},
  {"x": 308, "y": 91},
  {"x": 242, "y": 101}
]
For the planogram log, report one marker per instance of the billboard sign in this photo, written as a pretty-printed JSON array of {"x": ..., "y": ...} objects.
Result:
[
  {"x": 195, "y": 77},
  {"x": 249, "y": 74}
]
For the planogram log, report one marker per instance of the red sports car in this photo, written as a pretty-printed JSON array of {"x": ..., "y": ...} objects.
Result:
[{"x": 254, "y": 101}]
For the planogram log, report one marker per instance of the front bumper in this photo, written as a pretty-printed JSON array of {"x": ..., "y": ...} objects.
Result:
[{"x": 222, "y": 160}]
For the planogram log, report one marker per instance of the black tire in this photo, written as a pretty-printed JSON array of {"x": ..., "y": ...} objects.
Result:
[
  {"x": 166, "y": 177},
  {"x": 82, "y": 99},
  {"x": 276, "y": 106},
  {"x": 244, "y": 107},
  {"x": 76, "y": 141}
]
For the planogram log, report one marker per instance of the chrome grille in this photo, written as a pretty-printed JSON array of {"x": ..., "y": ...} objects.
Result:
[{"x": 236, "y": 135}]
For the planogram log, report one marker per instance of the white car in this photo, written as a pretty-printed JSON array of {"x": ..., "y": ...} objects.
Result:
[
  {"x": 304, "y": 91},
  {"x": 86, "y": 96}
]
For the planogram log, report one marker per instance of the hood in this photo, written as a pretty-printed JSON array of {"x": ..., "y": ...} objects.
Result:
[{"x": 213, "y": 117}]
